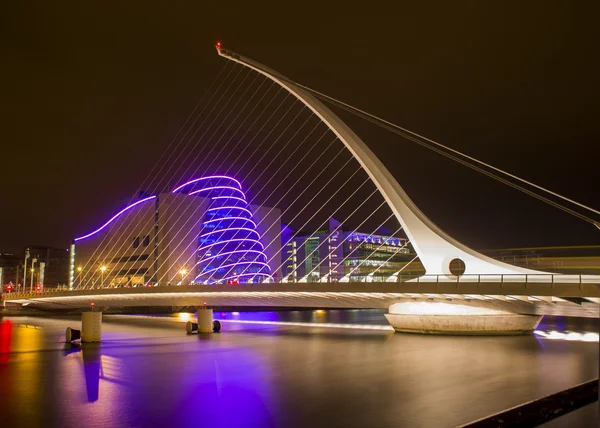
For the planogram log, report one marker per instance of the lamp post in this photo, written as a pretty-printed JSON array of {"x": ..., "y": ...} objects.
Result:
[
  {"x": 102, "y": 270},
  {"x": 79, "y": 270},
  {"x": 41, "y": 275},
  {"x": 24, "y": 271},
  {"x": 31, "y": 279}
]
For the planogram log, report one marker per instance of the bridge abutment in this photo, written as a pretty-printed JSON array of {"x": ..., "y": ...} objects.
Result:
[{"x": 458, "y": 319}]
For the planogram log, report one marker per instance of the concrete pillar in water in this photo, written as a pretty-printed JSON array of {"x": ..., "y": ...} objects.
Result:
[
  {"x": 91, "y": 326},
  {"x": 458, "y": 318},
  {"x": 205, "y": 320}
]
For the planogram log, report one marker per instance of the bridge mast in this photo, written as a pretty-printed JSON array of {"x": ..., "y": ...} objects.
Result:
[{"x": 436, "y": 249}]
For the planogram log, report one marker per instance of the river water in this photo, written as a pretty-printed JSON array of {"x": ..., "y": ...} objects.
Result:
[{"x": 321, "y": 369}]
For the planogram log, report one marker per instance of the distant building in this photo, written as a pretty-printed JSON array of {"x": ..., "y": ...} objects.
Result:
[
  {"x": 334, "y": 254},
  {"x": 203, "y": 232},
  {"x": 10, "y": 264},
  {"x": 56, "y": 266},
  {"x": 54, "y": 261}
]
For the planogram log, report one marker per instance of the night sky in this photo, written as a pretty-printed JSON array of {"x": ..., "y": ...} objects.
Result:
[{"x": 92, "y": 94}]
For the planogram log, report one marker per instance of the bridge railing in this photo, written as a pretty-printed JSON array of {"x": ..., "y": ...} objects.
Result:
[{"x": 462, "y": 279}]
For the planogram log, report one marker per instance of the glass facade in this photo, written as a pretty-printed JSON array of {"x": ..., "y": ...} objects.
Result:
[{"x": 334, "y": 254}]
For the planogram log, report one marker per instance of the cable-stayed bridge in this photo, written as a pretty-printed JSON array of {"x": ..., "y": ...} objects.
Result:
[{"x": 264, "y": 186}]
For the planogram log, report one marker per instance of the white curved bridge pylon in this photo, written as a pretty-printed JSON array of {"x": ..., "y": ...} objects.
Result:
[{"x": 435, "y": 248}]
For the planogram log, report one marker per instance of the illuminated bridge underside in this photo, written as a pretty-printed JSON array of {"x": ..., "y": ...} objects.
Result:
[
  {"x": 435, "y": 248},
  {"x": 522, "y": 298}
]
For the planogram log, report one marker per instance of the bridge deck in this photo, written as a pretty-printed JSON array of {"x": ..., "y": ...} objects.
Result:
[{"x": 533, "y": 298}]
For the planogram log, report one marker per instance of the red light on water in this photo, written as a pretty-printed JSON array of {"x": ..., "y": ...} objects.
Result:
[{"x": 218, "y": 45}]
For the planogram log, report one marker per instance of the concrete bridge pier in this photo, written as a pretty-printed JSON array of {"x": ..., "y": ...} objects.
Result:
[
  {"x": 91, "y": 326},
  {"x": 205, "y": 320},
  {"x": 455, "y": 318}
]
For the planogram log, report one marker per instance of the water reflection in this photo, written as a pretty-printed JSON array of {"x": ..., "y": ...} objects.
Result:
[
  {"x": 148, "y": 372},
  {"x": 5, "y": 340}
]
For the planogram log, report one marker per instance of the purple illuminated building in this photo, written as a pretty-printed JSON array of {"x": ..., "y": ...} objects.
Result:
[{"x": 204, "y": 231}]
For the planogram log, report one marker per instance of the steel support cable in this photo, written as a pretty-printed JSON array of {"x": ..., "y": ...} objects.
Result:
[
  {"x": 151, "y": 174},
  {"x": 116, "y": 233},
  {"x": 241, "y": 139},
  {"x": 241, "y": 153},
  {"x": 393, "y": 255},
  {"x": 282, "y": 181},
  {"x": 381, "y": 121},
  {"x": 509, "y": 183},
  {"x": 346, "y": 238},
  {"x": 314, "y": 214},
  {"x": 240, "y": 126},
  {"x": 407, "y": 264},
  {"x": 289, "y": 157},
  {"x": 322, "y": 205},
  {"x": 117, "y": 236},
  {"x": 291, "y": 139},
  {"x": 373, "y": 252},
  {"x": 295, "y": 235},
  {"x": 174, "y": 211},
  {"x": 353, "y": 250},
  {"x": 252, "y": 140},
  {"x": 287, "y": 127},
  {"x": 197, "y": 209},
  {"x": 317, "y": 211},
  {"x": 488, "y": 173},
  {"x": 307, "y": 187},
  {"x": 268, "y": 135}
]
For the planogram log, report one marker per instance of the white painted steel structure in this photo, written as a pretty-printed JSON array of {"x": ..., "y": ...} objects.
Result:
[
  {"x": 535, "y": 298},
  {"x": 435, "y": 248}
]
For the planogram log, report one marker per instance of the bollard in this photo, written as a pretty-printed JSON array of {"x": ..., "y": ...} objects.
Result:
[
  {"x": 91, "y": 326},
  {"x": 72, "y": 334},
  {"x": 191, "y": 327},
  {"x": 205, "y": 320}
]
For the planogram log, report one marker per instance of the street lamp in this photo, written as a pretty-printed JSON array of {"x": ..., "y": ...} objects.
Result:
[
  {"x": 102, "y": 270},
  {"x": 79, "y": 270},
  {"x": 183, "y": 272},
  {"x": 33, "y": 261}
]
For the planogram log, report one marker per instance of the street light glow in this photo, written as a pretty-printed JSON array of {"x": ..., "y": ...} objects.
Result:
[{"x": 103, "y": 268}]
